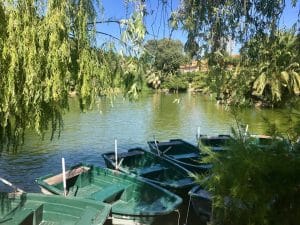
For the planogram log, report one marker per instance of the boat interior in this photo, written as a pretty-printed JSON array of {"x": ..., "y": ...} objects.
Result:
[
  {"x": 215, "y": 141},
  {"x": 145, "y": 165},
  {"x": 33, "y": 211},
  {"x": 81, "y": 182},
  {"x": 123, "y": 192},
  {"x": 177, "y": 147}
]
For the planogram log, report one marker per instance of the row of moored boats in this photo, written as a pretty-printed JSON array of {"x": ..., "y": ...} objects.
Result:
[{"x": 137, "y": 187}]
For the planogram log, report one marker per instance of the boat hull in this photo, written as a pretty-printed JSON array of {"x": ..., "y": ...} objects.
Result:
[
  {"x": 171, "y": 218},
  {"x": 38, "y": 209},
  {"x": 201, "y": 202},
  {"x": 132, "y": 200}
]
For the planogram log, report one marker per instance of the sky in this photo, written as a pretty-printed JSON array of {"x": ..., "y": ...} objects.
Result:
[{"x": 157, "y": 20}]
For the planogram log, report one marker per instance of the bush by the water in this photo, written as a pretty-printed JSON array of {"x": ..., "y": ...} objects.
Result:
[
  {"x": 175, "y": 83},
  {"x": 182, "y": 81},
  {"x": 256, "y": 185}
]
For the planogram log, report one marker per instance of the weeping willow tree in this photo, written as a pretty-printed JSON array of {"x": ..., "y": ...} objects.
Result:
[
  {"x": 47, "y": 47},
  {"x": 211, "y": 25}
]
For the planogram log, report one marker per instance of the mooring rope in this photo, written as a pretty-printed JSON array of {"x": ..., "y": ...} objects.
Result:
[
  {"x": 178, "y": 216},
  {"x": 188, "y": 211}
]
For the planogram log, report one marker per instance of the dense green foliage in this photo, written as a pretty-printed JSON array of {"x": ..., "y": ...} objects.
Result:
[
  {"x": 213, "y": 23},
  {"x": 167, "y": 54},
  {"x": 49, "y": 47},
  {"x": 177, "y": 83},
  {"x": 275, "y": 64},
  {"x": 255, "y": 184},
  {"x": 182, "y": 81},
  {"x": 268, "y": 71},
  {"x": 163, "y": 58}
]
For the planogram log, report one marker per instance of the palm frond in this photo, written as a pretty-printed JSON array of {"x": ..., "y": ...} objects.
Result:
[{"x": 259, "y": 85}]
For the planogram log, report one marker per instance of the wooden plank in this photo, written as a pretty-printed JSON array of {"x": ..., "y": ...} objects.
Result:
[{"x": 69, "y": 174}]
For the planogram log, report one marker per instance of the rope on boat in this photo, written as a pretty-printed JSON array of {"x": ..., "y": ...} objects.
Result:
[
  {"x": 164, "y": 152},
  {"x": 188, "y": 211},
  {"x": 178, "y": 216}
]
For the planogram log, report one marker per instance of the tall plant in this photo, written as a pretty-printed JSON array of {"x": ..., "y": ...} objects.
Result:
[
  {"x": 255, "y": 185},
  {"x": 273, "y": 63}
]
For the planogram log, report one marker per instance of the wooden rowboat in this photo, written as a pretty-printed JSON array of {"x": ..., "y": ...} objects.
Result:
[
  {"x": 153, "y": 168},
  {"x": 201, "y": 201},
  {"x": 182, "y": 153},
  {"x": 215, "y": 143},
  {"x": 133, "y": 200}
]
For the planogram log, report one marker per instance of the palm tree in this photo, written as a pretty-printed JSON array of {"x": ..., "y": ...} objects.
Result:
[{"x": 275, "y": 66}]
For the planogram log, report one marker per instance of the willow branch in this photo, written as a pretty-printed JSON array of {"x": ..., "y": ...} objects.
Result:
[
  {"x": 105, "y": 21},
  {"x": 114, "y": 37},
  {"x": 110, "y": 35}
]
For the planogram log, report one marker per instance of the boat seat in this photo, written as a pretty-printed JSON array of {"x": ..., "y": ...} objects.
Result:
[
  {"x": 171, "y": 142},
  {"x": 150, "y": 169},
  {"x": 185, "y": 156},
  {"x": 24, "y": 216},
  {"x": 88, "y": 216},
  {"x": 73, "y": 190},
  {"x": 128, "y": 193},
  {"x": 31, "y": 214},
  {"x": 107, "y": 192}
]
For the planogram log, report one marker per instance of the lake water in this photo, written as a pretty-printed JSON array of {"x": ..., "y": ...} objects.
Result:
[{"x": 87, "y": 135}]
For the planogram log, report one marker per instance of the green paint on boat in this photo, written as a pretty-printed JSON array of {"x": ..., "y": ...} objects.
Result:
[
  {"x": 39, "y": 209},
  {"x": 132, "y": 199},
  {"x": 155, "y": 169},
  {"x": 181, "y": 152}
]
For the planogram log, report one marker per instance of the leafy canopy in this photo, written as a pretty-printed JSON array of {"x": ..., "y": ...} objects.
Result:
[
  {"x": 268, "y": 71},
  {"x": 162, "y": 58},
  {"x": 165, "y": 55},
  {"x": 47, "y": 48},
  {"x": 275, "y": 64},
  {"x": 270, "y": 60},
  {"x": 213, "y": 23}
]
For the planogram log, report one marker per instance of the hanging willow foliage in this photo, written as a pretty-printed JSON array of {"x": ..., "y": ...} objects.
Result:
[
  {"x": 213, "y": 23},
  {"x": 48, "y": 47}
]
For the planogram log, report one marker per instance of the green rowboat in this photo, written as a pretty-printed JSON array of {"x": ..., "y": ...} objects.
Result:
[
  {"x": 215, "y": 143},
  {"x": 133, "y": 200},
  {"x": 201, "y": 201},
  {"x": 39, "y": 209},
  {"x": 182, "y": 153},
  {"x": 153, "y": 168}
]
